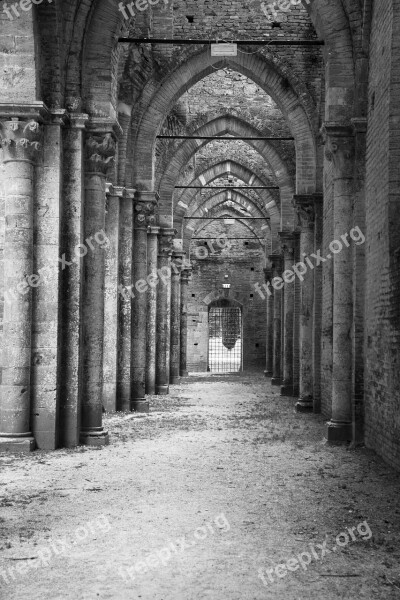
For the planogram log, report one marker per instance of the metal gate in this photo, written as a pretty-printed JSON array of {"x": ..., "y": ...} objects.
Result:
[{"x": 224, "y": 337}]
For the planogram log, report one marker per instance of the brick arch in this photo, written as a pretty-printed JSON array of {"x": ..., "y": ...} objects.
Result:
[
  {"x": 215, "y": 296},
  {"x": 189, "y": 197},
  {"x": 233, "y": 126},
  {"x": 240, "y": 201},
  {"x": 332, "y": 25},
  {"x": 93, "y": 56},
  {"x": 223, "y": 212},
  {"x": 265, "y": 73}
]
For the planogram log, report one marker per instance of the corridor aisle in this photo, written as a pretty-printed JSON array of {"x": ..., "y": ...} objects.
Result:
[{"x": 221, "y": 482}]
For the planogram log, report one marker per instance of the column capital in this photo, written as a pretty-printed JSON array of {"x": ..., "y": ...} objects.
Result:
[
  {"x": 21, "y": 139},
  {"x": 339, "y": 141},
  {"x": 166, "y": 241},
  {"x": 153, "y": 230},
  {"x": 129, "y": 193},
  {"x": 114, "y": 191},
  {"x": 105, "y": 125},
  {"x": 58, "y": 116},
  {"x": 305, "y": 209},
  {"x": 287, "y": 244},
  {"x": 144, "y": 204},
  {"x": 37, "y": 111},
  {"x": 78, "y": 120},
  {"x": 100, "y": 150},
  {"x": 359, "y": 124}
]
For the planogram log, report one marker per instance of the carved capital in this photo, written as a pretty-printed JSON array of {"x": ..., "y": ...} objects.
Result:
[
  {"x": 153, "y": 230},
  {"x": 21, "y": 139},
  {"x": 304, "y": 205},
  {"x": 339, "y": 143},
  {"x": 99, "y": 152},
  {"x": 287, "y": 244},
  {"x": 166, "y": 241},
  {"x": 144, "y": 205}
]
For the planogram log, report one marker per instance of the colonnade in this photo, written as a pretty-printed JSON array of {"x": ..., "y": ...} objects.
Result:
[
  {"x": 297, "y": 323},
  {"x": 95, "y": 291}
]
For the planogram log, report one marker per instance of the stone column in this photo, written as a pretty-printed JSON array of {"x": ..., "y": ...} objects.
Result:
[
  {"x": 113, "y": 195},
  {"x": 340, "y": 150},
  {"x": 125, "y": 301},
  {"x": 164, "y": 310},
  {"x": 177, "y": 258},
  {"x": 269, "y": 346},
  {"x": 304, "y": 205},
  {"x": 287, "y": 245},
  {"x": 359, "y": 277},
  {"x": 99, "y": 152},
  {"x": 276, "y": 261},
  {"x": 143, "y": 216},
  {"x": 185, "y": 275},
  {"x": 71, "y": 281},
  {"x": 21, "y": 143},
  {"x": 152, "y": 254},
  {"x": 46, "y": 314},
  {"x": 317, "y": 313}
]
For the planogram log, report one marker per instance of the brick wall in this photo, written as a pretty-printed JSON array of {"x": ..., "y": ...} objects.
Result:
[{"x": 382, "y": 373}]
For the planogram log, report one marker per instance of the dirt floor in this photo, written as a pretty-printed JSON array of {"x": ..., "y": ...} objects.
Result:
[{"x": 222, "y": 482}]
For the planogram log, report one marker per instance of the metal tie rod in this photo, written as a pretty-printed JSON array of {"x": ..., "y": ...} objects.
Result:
[
  {"x": 223, "y": 187},
  {"x": 223, "y": 218},
  {"x": 224, "y": 139},
  {"x": 266, "y": 42}
]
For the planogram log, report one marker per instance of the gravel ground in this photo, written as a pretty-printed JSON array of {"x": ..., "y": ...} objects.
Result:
[{"x": 222, "y": 481}]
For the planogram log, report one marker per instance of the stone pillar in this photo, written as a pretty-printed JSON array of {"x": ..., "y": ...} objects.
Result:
[
  {"x": 340, "y": 149},
  {"x": 124, "y": 300},
  {"x": 296, "y": 319},
  {"x": 177, "y": 258},
  {"x": 359, "y": 277},
  {"x": 143, "y": 216},
  {"x": 287, "y": 244},
  {"x": 113, "y": 195},
  {"x": 99, "y": 152},
  {"x": 152, "y": 254},
  {"x": 276, "y": 261},
  {"x": 21, "y": 143},
  {"x": 46, "y": 314},
  {"x": 165, "y": 243},
  {"x": 269, "y": 345},
  {"x": 71, "y": 282},
  {"x": 304, "y": 205},
  {"x": 185, "y": 275},
  {"x": 317, "y": 313}
]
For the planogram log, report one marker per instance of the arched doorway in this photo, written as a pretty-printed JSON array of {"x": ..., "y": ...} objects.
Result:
[{"x": 225, "y": 333}]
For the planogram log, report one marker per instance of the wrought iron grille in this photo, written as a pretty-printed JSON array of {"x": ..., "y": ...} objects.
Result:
[{"x": 225, "y": 337}]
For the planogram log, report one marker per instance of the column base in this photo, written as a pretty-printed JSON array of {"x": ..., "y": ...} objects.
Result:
[
  {"x": 304, "y": 406},
  {"x": 339, "y": 432},
  {"x": 94, "y": 437},
  {"x": 17, "y": 445},
  {"x": 174, "y": 379},
  {"x": 287, "y": 389},
  {"x": 140, "y": 405},
  {"x": 162, "y": 390},
  {"x": 268, "y": 373},
  {"x": 276, "y": 381},
  {"x": 150, "y": 390},
  {"x": 184, "y": 373}
]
